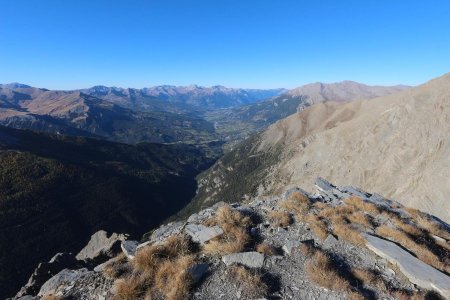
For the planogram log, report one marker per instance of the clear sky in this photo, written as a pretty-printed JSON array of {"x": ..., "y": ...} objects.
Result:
[{"x": 67, "y": 44}]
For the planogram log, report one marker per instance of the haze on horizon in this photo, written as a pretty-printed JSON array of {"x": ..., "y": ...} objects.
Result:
[{"x": 256, "y": 44}]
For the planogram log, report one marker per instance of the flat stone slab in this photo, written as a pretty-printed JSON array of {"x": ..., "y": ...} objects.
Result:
[
  {"x": 249, "y": 259},
  {"x": 416, "y": 270},
  {"x": 201, "y": 234},
  {"x": 129, "y": 248}
]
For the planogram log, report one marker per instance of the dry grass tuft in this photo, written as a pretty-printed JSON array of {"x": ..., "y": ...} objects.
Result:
[
  {"x": 297, "y": 203},
  {"x": 363, "y": 205},
  {"x": 432, "y": 226},
  {"x": 235, "y": 237},
  {"x": 347, "y": 233},
  {"x": 266, "y": 249},
  {"x": 318, "y": 226},
  {"x": 249, "y": 282},
  {"x": 405, "y": 295},
  {"x": 360, "y": 218},
  {"x": 421, "y": 251},
  {"x": 228, "y": 216},
  {"x": 117, "y": 267},
  {"x": 280, "y": 218},
  {"x": 148, "y": 258},
  {"x": 337, "y": 212},
  {"x": 159, "y": 271},
  {"x": 321, "y": 269},
  {"x": 307, "y": 249},
  {"x": 132, "y": 287},
  {"x": 172, "y": 279},
  {"x": 371, "y": 278}
]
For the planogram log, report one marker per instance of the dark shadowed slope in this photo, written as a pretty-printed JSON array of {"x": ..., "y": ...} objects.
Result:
[{"x": 55, "y": 191}]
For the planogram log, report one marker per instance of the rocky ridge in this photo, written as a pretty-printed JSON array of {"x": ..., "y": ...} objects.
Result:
[{"x": 340, "y": 243}]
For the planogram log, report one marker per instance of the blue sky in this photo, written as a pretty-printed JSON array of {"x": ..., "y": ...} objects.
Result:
[{"x": 66, "y": 44}]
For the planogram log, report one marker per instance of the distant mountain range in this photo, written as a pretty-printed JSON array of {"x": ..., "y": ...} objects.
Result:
[
  {"x": 76, "y": 113},
  {"x": 181, "y": 98},
  {"x": 165, "y": 114},
  {"x": 397, "y": 145}
]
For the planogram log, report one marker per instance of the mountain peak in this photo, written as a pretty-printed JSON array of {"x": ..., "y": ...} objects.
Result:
[{"x": 15, "y": 85}]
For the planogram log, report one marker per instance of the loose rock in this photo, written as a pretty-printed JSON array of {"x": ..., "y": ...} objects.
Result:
[{"x": 249, "y": 259}]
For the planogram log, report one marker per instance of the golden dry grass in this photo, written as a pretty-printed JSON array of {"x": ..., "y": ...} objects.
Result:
[
  {"x": 130, "y": 288},
  {"x": 307, "y": 249},
  {"x": 235, "y": 237},
  {"x": 331, "y": 212},
  {"x": 159, "y": 271},
  {"x": 347, "y": 233},
  {"x": 266, "y": 249},
  {"x": 297, "y": 203},
  {"x": 318, "y": 226},
  {"x": 148, "y": 258},
  {"x": 250, "y": 283},
  {"x": 321, "y": 270},
  {"x": 432, "y": 227},
  {"x": 404, "y": 295},
  {"x": 421, "y": 251},
  {"x": 172, "y": 279},
  {"x": 371, "y": 278},
  {"x": 360, "y": 218},
  {"x": 280, "y": 218},
  {"x": 117, "y": 267},
  {"x": 363, "y": 205},
  {"x": 225, "y": 215}
]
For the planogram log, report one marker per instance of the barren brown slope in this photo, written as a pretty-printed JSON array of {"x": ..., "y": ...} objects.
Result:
[
  {"x": 398, "y": 145},
  {"x": 343, "y": 91}
]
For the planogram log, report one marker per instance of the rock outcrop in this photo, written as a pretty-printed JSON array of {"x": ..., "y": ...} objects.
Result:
[
  {"x": 335, "y": 244},
  {"x": 101, "y": 245}
]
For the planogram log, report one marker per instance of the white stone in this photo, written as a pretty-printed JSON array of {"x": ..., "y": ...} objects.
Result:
[
  {"x": 249, "y": 259},
  {"x": 201, "y": 234}
]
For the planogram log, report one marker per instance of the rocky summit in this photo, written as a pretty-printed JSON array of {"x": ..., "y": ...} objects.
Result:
[{"x": 338, "y": 243}]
